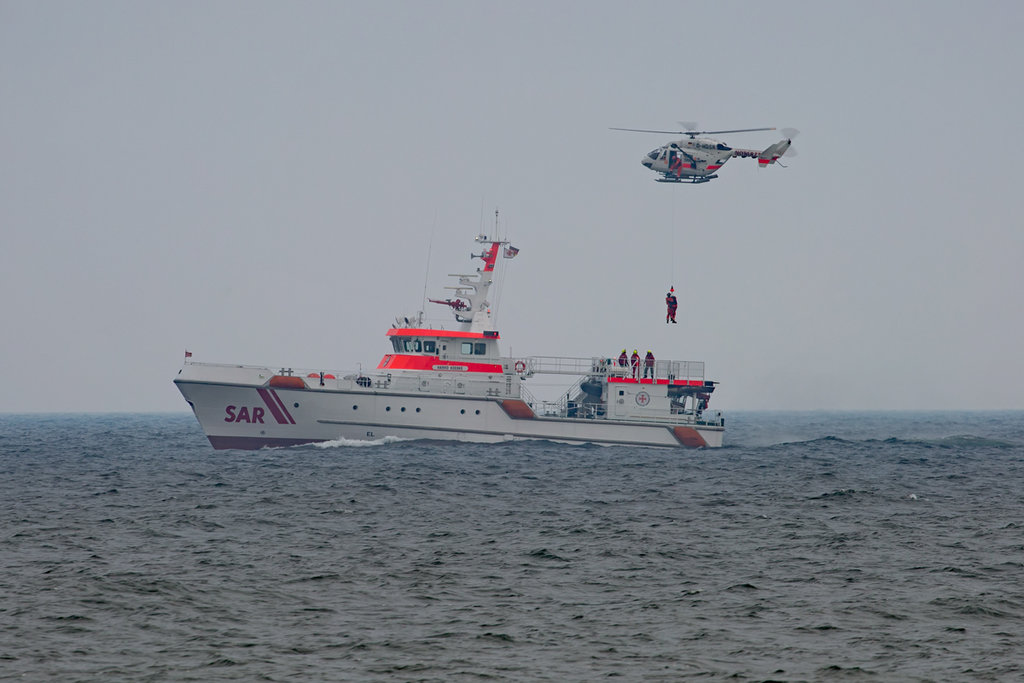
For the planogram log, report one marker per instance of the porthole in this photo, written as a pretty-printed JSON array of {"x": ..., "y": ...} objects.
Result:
[
  {"x": 478, "y": 412},
  {"x": 296, "y": 405},
  {"x": 417, "y": 410},
  {"x": 387, "y": 409},
  {"x": 463, "y": 411},
  {"x": 403, "y": 409},
  {"x": 355, "y": 407}
]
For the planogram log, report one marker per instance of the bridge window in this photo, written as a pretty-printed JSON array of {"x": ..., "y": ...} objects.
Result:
[
  {"x": 429, "y": 347},
  {"x": 467, "y": 348},
  {"x": 480, "y": 349}
]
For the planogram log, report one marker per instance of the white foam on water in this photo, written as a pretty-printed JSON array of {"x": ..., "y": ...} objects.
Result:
[{"x": 359, "y": 443}]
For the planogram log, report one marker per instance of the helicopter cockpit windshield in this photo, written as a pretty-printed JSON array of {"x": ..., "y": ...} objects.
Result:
[
  {"x": 654, "y": 154},
  {"x": 724, "y": 147}
]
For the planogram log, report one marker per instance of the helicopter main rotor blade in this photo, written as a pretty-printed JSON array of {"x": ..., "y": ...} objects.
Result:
[
  {"x": 692, "y": 133},
  {"x": 645, "y": 130},
  {"x": 738, "y": 130}
]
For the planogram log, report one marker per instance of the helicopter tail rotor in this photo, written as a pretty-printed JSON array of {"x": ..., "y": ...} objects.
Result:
[{"x": 789, "y": 134}]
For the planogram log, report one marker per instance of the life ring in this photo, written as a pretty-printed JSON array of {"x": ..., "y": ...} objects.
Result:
[{"x": 520, "y": 367}]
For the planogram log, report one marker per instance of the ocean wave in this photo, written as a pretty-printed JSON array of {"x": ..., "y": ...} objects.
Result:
[
  {"x": 957, "y": 441},
  {"x": 448, "y": 561}
]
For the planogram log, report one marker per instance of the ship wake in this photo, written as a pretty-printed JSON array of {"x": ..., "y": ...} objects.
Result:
[{"x": 358, "y": 443}]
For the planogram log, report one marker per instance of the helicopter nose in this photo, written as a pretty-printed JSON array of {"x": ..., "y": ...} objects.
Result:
[{"x": 646, "y": 161}]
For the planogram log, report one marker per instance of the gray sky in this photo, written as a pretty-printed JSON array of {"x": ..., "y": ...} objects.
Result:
[{"x": 261, "y": 182}]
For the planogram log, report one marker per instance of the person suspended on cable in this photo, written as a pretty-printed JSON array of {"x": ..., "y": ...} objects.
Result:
[
  {"x": 649, "y": 364},
  {"x": 672, "y": 304}
]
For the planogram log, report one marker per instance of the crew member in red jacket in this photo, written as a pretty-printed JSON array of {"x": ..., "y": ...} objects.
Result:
[{"x": 670, "y": 301}]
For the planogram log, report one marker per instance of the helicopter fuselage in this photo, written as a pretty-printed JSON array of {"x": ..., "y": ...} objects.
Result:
[{"x": 688, "y": 159}]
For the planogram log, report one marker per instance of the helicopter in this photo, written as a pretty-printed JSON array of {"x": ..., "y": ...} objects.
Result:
[{"x": 695, "y": 159}]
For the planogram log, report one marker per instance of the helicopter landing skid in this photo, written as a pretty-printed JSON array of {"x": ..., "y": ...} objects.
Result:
[{"x": 693, "y": 180}]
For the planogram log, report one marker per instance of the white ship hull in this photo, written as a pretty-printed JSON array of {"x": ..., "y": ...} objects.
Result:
[{"x": 238, "y": 409}]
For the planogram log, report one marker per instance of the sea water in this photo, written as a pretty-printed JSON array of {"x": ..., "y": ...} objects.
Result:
[{"x": 814, "y": 546}]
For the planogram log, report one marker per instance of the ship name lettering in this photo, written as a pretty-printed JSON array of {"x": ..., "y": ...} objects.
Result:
[{"x": 244, "y": 414}]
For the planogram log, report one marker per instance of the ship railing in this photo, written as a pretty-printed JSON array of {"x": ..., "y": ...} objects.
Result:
[
  {"x": 663, "y": 369},
  {"x": 566, "y": 404},
  {"x": 309, "y": 374},
  {"x": 562, "y": 365},
  {"x": 578, "y": 410},
  {"x": 707, "y": 419},
  {"x": 316, "y": 378},
  {"x": 526, "y": 396},
  {"x": 564, "y": 407}
]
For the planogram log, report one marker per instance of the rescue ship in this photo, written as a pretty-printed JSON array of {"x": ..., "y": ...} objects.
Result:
[{"x": 454, "y": 384}]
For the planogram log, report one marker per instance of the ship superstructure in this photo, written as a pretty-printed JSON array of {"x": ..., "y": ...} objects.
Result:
[{"x": 437, "y": 383}]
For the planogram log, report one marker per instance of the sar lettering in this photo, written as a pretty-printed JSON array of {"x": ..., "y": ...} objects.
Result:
[{"x": 244, "y": 414}]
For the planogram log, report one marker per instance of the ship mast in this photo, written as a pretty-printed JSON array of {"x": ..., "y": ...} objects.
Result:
[{"x": 477, "y": 315}]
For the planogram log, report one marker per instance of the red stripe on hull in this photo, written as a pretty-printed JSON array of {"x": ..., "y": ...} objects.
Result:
[
  {"x": 517, "y": 410},
  {"x": 271, "y": 406},
  {"x": 281, "y": 405},
  {"x": 689, "y": 437}
]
